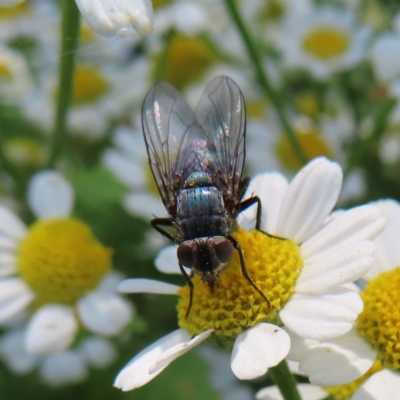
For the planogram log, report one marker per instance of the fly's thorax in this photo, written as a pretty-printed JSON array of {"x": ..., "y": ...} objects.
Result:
[{"x": 207, "y": 256}]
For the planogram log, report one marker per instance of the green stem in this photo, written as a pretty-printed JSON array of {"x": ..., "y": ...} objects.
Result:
[
  {"x": 70, "y": 34},
  {"x": 377, "y": 130},
  {"x": 269, "y": 91},
  {"x": 285, "y": 381}
]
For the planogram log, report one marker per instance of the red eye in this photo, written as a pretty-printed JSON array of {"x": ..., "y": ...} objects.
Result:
[
  {"x": 185, "y": 254},
  {"x": 223, "y": 248}
]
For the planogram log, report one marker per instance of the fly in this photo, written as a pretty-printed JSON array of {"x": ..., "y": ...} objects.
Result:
[{"x": 197, "y": 160}]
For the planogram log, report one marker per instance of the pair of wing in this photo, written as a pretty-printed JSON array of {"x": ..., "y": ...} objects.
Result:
[{"x": 210, "y": 140}]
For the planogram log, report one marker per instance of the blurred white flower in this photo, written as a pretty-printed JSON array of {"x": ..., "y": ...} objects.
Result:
[
  {"x": 118, "y": 17},
  {"x": 323, "y": 41},
  {"x": 62, "y": 368},
  {"x": 44, "y": 264}
]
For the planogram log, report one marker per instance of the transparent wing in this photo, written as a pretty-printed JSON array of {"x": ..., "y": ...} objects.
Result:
[
  {"x": 222, "y": 116},
  {"x": 172, "y": 137}
]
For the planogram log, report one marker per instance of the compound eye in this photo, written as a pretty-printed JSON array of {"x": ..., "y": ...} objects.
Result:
[
  {"x": 185, "y": 254},
  {"x": 223, "y": 249}
]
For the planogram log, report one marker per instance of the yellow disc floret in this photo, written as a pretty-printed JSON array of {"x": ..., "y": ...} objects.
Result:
[
  {"x": 344, "y": 392},
  {"x": 379, "y": 322},
  {"x": 326, "y": 42},
  {"x": 61, "y": 260},
  {"x": 234, "y": 305}
]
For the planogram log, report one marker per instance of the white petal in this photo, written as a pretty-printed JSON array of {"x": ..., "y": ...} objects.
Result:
[
  {"x": 322, "y": 317},
  {"x": 339, "y": 361},
  {"x": 142, "y": 285},
  {"x": 309, "y": 199},
  {"x": 7, "y": 244},
  {"x": 343, "y": 264},
  {"x": 144, "y": 205},
  {"x": 388, "y": 250},
  {"x": 355, "y": 225},
  {"x": 13, "y": 351},
  {"x": 118, "y": 17},
  {"x": 298, "y": 345},
  {"x": 124, "y": 168},
  {"x": 98, "y": 351},
  {"x": 137, "y": 372},
  {"x": 167, "y": 261},
  {"x": 178, "y": 350},
  {"x": 257, "y": 349},
  {"x": 63, "y": 368},
  {"x": 14, "y": 297},
  {"x": 105, "y": 313},
  {"x": 270, "y": 188},
  {"x": 50, "y": 195},
  {"x": 110, "y": 282},
  {"x": 7, "y": 264},
  {"x": 307, "y": 392},
  {"x": 10, "y": 225},
  {"x": 52, "y": 328},
  {"x": 384, "y": 385}
]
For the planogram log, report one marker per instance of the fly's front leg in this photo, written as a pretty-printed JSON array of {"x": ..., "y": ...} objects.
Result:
[
  {"x": 191, "y": 287},
  {"x": 157, "y": 222},
  {"x": 236, "y": 245},
  {"x": 248, "y": 203}
]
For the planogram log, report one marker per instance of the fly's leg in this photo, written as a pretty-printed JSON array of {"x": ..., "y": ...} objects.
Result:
[
  {"x": 248, "y": 203},
  {"x": 236, "y": 245},
  {"x": 191, "y": 287},
  {"x": 157, "y": 222}
]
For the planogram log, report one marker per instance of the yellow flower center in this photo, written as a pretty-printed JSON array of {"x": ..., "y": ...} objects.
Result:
[
  {"x": 151, "y": 183},
  {"x": 273, "y": 264},
  {"x": 23, "y": 151},
  {"x": 379, "y": 323},
  {"x": 86, "y": 34},
  {"x": 5, "y": 72},
  {"x": 15, "y": 11},
  {"x": 312, "y": 144},
  {"x": 89, "y": 85},
  {"x": 256, "y": 108},
  {"x": 325, "y": 42},
  {"x": 185, "y": 61},
  {"x": 344, "y": 392},
  {"x": 61, "y": 260},
  {"x": 273, "y": 10}
]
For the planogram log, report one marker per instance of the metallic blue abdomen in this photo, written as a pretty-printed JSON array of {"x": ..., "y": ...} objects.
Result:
[{"x": 201, "y": 212}]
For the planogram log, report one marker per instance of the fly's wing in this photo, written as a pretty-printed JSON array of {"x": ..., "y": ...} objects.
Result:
[
  {"x": 170, "y": 131},
  {"x": 222, "y": 116}
]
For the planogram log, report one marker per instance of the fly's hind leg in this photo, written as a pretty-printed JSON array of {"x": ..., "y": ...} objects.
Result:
[
  {"x": 236, "y": 245},
  {"x": 248, "y": 203},
  {"x": 191, "y": 287},
  {"x": 157, "y": 222}
]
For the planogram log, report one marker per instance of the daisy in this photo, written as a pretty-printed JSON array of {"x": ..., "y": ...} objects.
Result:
[
  {"x": 100, "y": 94},
  {"x": 365, "y": 361},
  {"x": 323, "y": 41},
  {"x": 306, "y": 391},
  {"x": 15, "y": 79},
  {"x": 129, "y": 162},
  {"x": 116, "y": 17},
  {"x": 57, "y": 271},
  {"x": 301, "y": 270},
  {"x": 61, "y": 368}
]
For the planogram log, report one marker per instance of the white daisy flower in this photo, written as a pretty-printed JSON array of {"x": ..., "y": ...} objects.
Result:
[
  {"x": 15, "y": 79},
  {"x": 129, "y": 162},
  {"x": 118, "y": 17},
  {"x": 364, "y": 363},
  {"x": 99, "y": 95},
  {"x": 65, "y": 367},
  {"x": 324, "y": 41},
  {"x": 43, "y": 266},
  {"x": 302, "y": 276}
]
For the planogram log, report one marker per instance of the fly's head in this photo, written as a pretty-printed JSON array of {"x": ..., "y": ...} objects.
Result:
[{"x": 206, "y": 256}]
